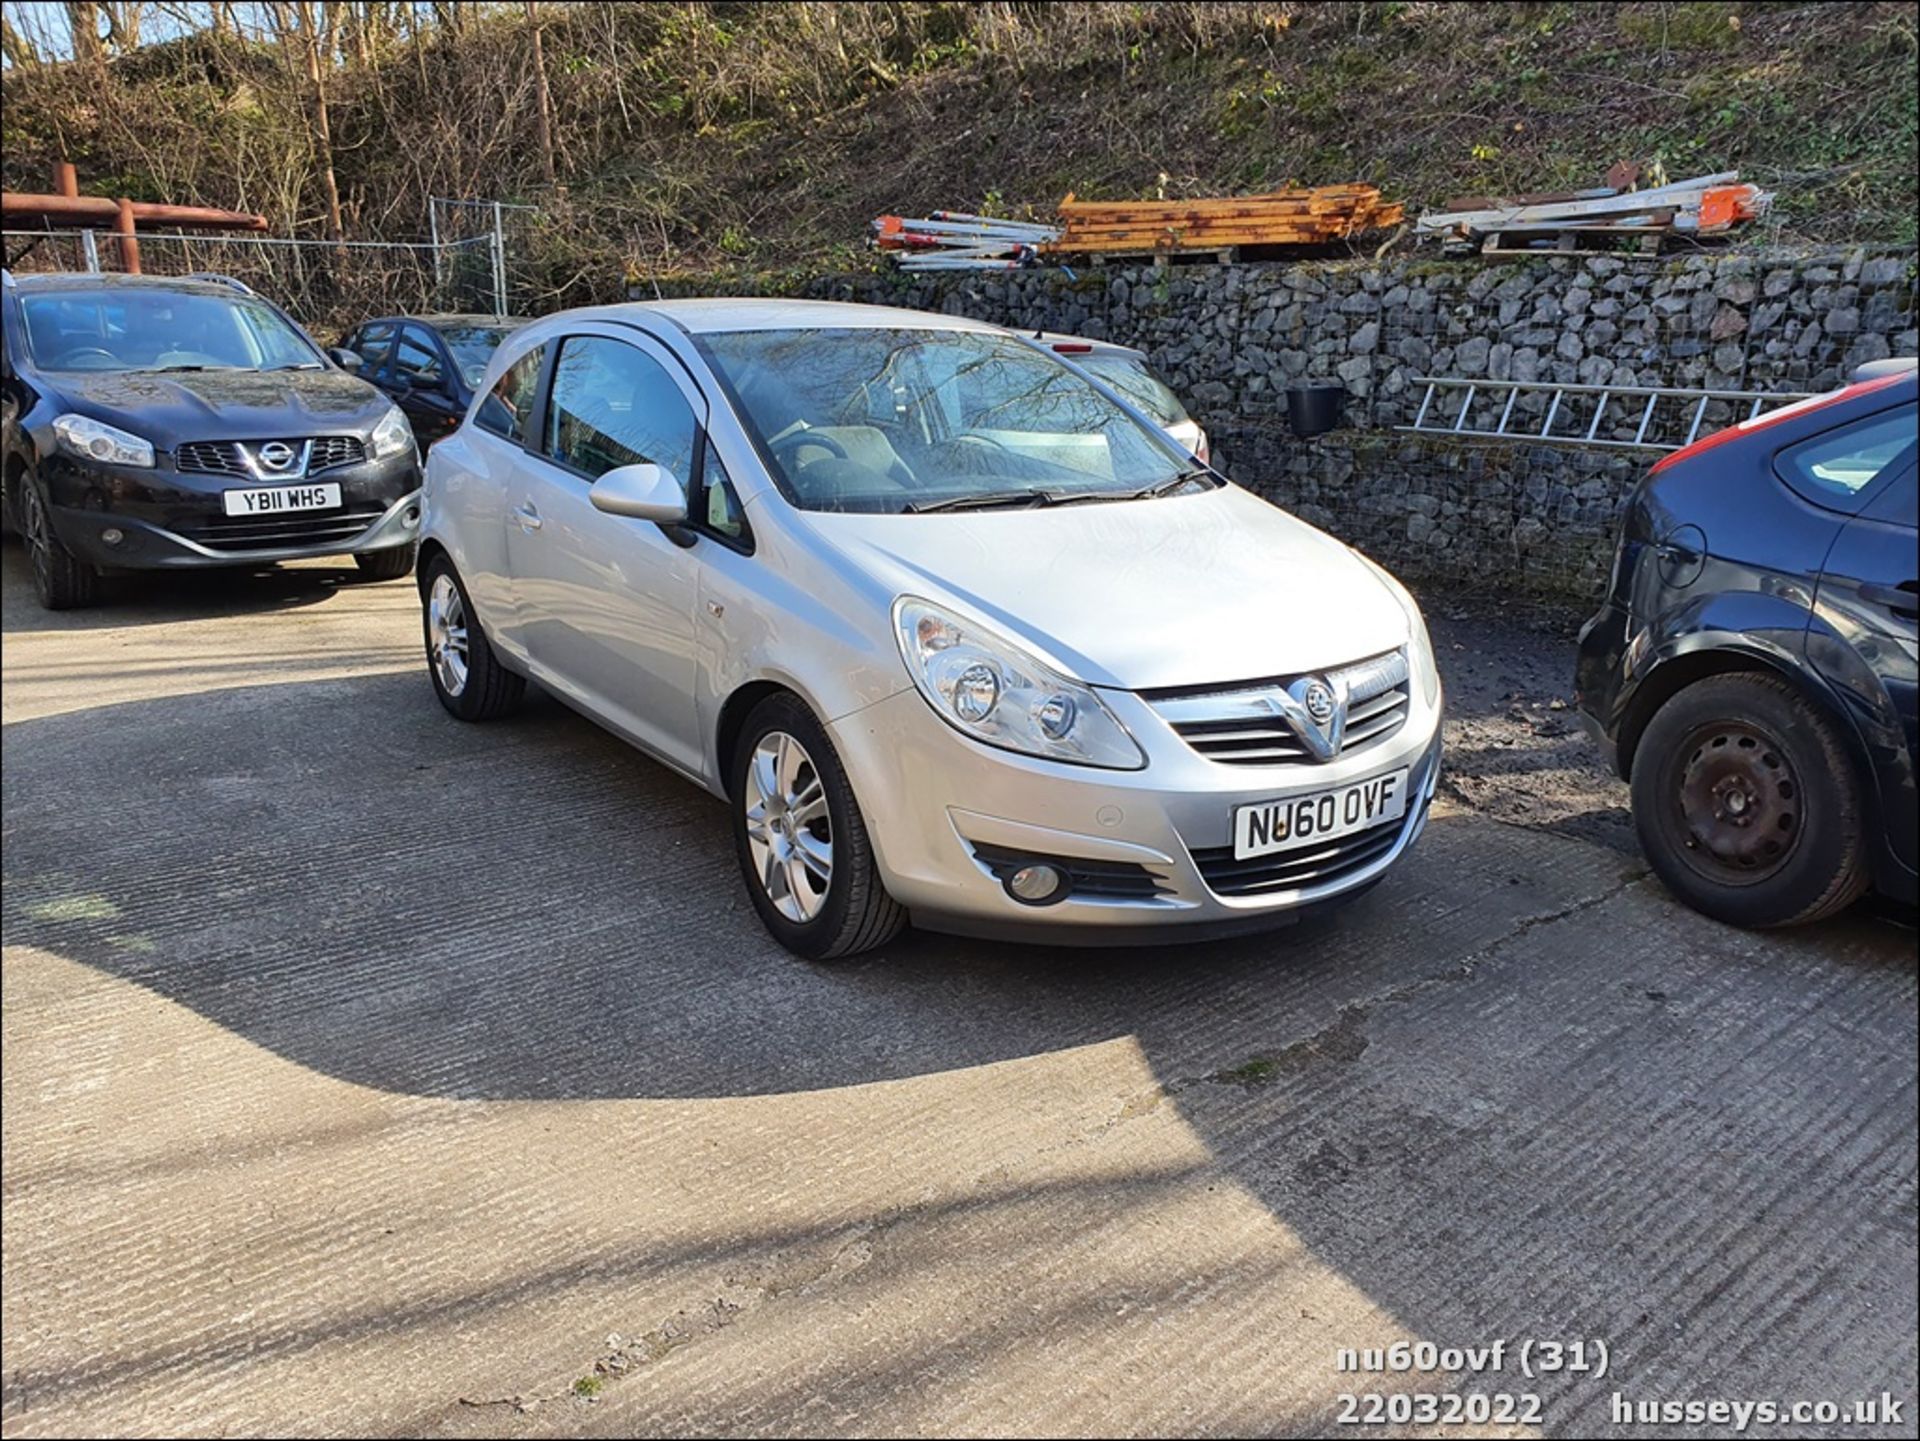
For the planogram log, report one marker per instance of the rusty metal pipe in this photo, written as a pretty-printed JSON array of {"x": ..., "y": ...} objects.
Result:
[{"x": 85, "y": 210}]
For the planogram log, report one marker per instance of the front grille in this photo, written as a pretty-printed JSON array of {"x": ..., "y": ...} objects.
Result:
[
  {"x": 225, "y": 457},
  {"x": 1086, "y": 879},
  {"x": 211, "y": 457},
  {"x": 280, "y": 532},
  {"x": 330, "y": 452},
  {"x": 1240, "y": 726},
  {"x": 1311, "y": 865}
]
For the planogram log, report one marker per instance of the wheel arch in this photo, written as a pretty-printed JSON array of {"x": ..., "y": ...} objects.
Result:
[
  {"x": 1670, "y": 677},
  {"x": 732, "y": 720}
]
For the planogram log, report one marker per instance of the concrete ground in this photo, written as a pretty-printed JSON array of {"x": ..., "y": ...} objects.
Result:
[{"x": 368, "y": 1073}]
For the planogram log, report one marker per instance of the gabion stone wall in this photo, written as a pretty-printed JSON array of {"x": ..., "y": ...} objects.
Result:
[{"x": 1487, "y": 514}]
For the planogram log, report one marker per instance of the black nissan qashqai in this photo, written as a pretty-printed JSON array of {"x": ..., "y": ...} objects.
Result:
[{"x": 150, "y": 424}]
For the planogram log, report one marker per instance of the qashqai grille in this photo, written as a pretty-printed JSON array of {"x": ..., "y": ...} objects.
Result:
[
  {"x": 1275, "y": 722},
  {"x": 242, "y": 458}
]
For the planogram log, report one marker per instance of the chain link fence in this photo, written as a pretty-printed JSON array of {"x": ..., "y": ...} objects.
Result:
[{"x": 329, "y": 286}]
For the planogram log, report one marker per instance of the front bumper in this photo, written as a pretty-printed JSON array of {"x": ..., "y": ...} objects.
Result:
[
  {"x": 945, "y": 813},
  {"x": 1600, "y": 678},
  {"x": 165, "y": 520}
]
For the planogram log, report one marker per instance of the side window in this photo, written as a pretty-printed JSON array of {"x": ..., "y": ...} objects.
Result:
[
  {"x": 1832, "y": 469},
  {"x": 613, "y": 405},
  {"x": 1899, "y": 503},
  {"x": 507, "y": 409},
  {"x": 723, "y": 514},
  {"x": 417, "y": 358},
  {"x": 373, "y": 344}
]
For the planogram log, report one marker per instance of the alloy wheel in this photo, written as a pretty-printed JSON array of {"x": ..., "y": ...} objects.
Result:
[
  {"x": 33, "y": 530},
  {"x": 447, "y": 635},
  {"x": 789, "y": 829}
]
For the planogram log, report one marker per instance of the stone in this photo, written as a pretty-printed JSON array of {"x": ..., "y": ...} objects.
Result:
[
  {"x": 1361, "y": 303},
  {"x": 1727, "y": 322},
  {"x": 1500, "y": 361},
  {"x": 1365, "y": 338},
  {"x": 1569, "y": 347},
  {"x": 1357, "y": 369},
  {"x": 1870, "y": 346},
  {"x": 1728, "y": 357},
  {"x": 1842, "y": 320},
  {"x": 1886, "y": 270},
  {"x": 1778, "y": 282},
  {"x": 1735, "y": 291},
  {"x": 1471, "y": 358}
]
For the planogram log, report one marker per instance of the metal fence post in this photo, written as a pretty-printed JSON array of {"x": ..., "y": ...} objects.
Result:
[
  {"x": 91, "y": 251},
  {"x": 433, "y": 226},
  {"x": 499, "y": 263}
]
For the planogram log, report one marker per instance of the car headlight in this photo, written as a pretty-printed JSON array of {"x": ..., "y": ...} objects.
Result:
[
  {"x": 1420, "y": 657},
  {"x": 990, "y": 689},
  {"x": 392, "y": 435},
  {"x": 91, "y": 439}
]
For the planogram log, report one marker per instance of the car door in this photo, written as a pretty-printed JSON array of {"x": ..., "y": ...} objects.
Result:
[
  {"x": 373, "y": 343},
  {"x": 1869, "y": 601},
  {"x": 605, "y": 603},
  {"x": 422, "y": 384}
]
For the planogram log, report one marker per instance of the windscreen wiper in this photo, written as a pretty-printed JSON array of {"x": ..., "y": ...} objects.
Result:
[
  {"x": 1150, "y": 492},
  {"x": 996, "y": 501}
]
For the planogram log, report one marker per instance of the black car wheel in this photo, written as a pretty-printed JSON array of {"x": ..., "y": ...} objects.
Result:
[
  {"x": 802, "y": 842},
  {"x": 1747, "y": 804},
  {"x": 467, "y": 675},
  {"x": 390, "y": 564},
  {"x": 61, "y": 581}
]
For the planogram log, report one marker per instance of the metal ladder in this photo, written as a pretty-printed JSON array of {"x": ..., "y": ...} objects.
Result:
[{"x": 1432, "y": 419}]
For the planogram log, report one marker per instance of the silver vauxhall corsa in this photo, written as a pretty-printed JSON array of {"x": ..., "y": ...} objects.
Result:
[{"x": 957, "y": 634}]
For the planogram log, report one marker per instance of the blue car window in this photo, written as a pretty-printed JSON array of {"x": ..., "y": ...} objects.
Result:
[{"x": 1832, "y": 470}]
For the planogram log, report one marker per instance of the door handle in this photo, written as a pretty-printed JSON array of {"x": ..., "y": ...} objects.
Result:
[
  {"x": 528, "y": 517},
  {"x": 1902, "y": 599}
]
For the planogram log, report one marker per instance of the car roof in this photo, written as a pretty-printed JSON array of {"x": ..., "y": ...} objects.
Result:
[
  {"x": 86, "y": 280},
  {"x": 702, "y": 317}
]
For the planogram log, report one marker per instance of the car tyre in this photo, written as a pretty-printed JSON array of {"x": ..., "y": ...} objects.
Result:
[
  {"x": 60, "y": 579},
  {"x": 467, "y": 676},
  {"x": 389, "y": 564},
  {"x": 1748, "y": 805},
  {"x": 794, "y": 812}
]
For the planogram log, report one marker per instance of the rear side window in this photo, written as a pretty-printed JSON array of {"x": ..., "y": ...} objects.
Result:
[
  {"x": 1137, "y": 384},
  {"x": 1832, "y": 470},
  {"x": 507, "y": 410},
  {"x": 612, "y": 405}
]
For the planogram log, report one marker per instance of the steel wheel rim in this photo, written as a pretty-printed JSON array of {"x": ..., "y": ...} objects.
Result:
[
  {"x": 447, "y": 635},
  {"x": 789, "y": 828},
  {"x": 1739, "y": 803}
]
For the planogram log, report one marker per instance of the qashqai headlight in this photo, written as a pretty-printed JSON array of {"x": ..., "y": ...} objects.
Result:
[
  {"x": 988, "y": 688},
  {"x": 92, "y": 439},
  {"x": 392, "y": 435}
]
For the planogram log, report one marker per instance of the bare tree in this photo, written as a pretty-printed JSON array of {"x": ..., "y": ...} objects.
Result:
[
  {"x": 544, "y": 108},
  {"x": 19, "y": 48},
  {"x": 305, "y": 27},
  {"x": 83, "y": 17}
]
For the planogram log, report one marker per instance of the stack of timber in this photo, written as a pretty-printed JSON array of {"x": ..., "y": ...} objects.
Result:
[
  {"x": 1605, "y": 215},
  {"x": 1221, "y": 226}
]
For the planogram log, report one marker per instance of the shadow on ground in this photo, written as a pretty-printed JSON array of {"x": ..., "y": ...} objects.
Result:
[{"x": 1492, "y": 1093}]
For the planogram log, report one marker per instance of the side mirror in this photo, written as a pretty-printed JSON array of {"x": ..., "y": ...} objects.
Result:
[
  {"x": 347, "y": 360},
  {"x": 640, "y": 492}
]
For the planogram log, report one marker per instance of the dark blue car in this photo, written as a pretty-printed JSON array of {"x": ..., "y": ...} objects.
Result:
[{"x": 1753, "y": 669}]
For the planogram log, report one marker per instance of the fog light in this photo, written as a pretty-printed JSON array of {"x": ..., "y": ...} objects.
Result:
[
  {"x": 1036, "y": 885},
  {"x": 112, "y": 535}
]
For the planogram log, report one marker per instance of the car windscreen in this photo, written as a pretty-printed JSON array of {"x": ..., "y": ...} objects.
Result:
[
  {"x": 473, "y": 346},
  {"x": 1129, "y": 375},
  {"x": 124, "y": 329},
  {"x": 886, "y": 420}
]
